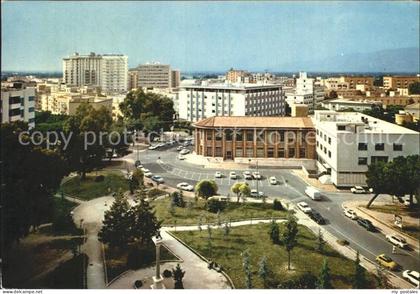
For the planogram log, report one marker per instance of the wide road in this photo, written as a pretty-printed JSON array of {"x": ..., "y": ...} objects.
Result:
[{"x": 370, "y": 244}]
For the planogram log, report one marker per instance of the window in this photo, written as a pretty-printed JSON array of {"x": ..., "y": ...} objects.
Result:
[
  {"x": 379, "y": 146},
  {"x": 250, "y": 135},
  {"x": 398, "y": 147},
  {"x": 270, "y": 152},
  {"x": 239, "y": 135},
  {"x": 291, "y": 152},
  {"x": 375, "y": 159},
  {"x": 250, "y": 152},
  {"x": 228, "y": 135},
  {"x": 280, "y": 153},
  {"x": 329, "y": 154},
  {"x": 363, "y": 146},
  {"x": 218, "y": 152},
  {"x": 341, "y": 128},
  {"x": 329, "y": 140},
  {"x": 260, "y": 152},
  {"x": 239, "y": 152},
  {"x": 218, "y": 136},
  {"x": 209, "y": 151},
  {"x": 363, "y": 161},
  {"x": 302, "y": 153},
  {"x": 209, "y": 135}
]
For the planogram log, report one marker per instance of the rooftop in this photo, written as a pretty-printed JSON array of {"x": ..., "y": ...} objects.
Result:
[
  {"x": 229, "y": 86},
  {"x": 349, "y": 101},
  {"x": 255, "y": 122}
]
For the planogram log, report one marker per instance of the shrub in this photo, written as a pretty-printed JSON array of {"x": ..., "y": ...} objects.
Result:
[
  {"x": 100, "y": 178},
  {"x": 277, "y": 205},
  {"x": 138, "y": 284},
  {"x": 206, "y": 188},
  {"x": 214, "y": 205},
  {"x": 138, "y": 257},
  {"x": 343, "y": 242},
  {"x": 304, "y": 281},
  {"x": 167, "y": 273},
  {"x": 178, "y": 199},
  {"x": 155, "y": 192}
]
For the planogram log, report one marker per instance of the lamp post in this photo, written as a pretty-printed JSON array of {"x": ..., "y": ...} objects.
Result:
[{"x": 157, "y": 279}]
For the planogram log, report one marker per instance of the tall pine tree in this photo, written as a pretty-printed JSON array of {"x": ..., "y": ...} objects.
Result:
[
  {"x": 145, "y": 224},
  {"x": 324, "y": 279},
  {"x": 359, "y": 279}
]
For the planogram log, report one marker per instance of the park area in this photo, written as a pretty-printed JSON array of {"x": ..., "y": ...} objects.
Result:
[{"x": 306, "y": 261}]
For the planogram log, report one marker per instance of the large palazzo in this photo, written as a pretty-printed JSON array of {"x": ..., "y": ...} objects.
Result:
[{"x": 255, "y": 137}]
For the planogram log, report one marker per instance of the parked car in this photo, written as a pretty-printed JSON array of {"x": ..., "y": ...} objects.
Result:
[
  {"x": 256, "y": 194},
  {"x": 386, "y": 262},
  {"x": 412, "y": 277},
  {"x": 313, "y": 193},
  {"x": 397, "y": 240},
  {"x": 185, "y": 186},
  {"x": 218, "y": 174},
  {"x": 140, "y": 166},
  {"x": 181, "y": 157},
  {"x": 158, "y": 179},
  {"x": 145, "y": 170},
  {"x": 304, "y": 207},
  {"x": 153, "y": 147},
  {"x": 233, "y": 175},
  {"x": 179, "y": 148},
  {"x": 367, "y": 224},
  {"x": 148, "y": 174},
  {"x": 247, "y": 175},
  {"x": 273, "y": 181},
  {"x": 256, "y": 175},
  {"x": 350, "y": 214},
  {"x": 358, "y": 190},
  {"x": 161, "y": 145},
  {"x": 317, "y": 217},
  {"x": 184, "y": 151}
]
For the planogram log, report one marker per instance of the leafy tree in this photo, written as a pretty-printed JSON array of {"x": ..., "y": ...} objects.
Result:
[
  {"x": 178, "y": 274},
  {"x": 145, "y": 224},
  {"x": 206, "y": 188},
  {"x": 246, "y": 264},
  {"x": 377, "y": 179},
  {"x": 333, "y": 95},
  {"x": 324, "y": 279},
  {"x": 414, "y": 88},
  {"x": 263, "y": 270},
  {"x": 214, "y": 205},
  {"x": 178, "y": 199},
  {"x": 277, "y": 205},
  {"x": 136, "y": 180},
  {"x": 235, "y": 189},
  {"x": 274, "y": 232},
  {"x": 88, "y": 128},
  {"x": 359, "y": 279},
  {"x": 116, "y": 228},
  {"x": 289, "y": 236},
  {"x": 245, "y": 191},
  {"x": 30, "y": 177}
]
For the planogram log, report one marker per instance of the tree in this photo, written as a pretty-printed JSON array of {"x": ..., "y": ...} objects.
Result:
[
  {"x": 289, "y": 236},
  {"x": 246, "y": 264},
  {"x": 116, "y": 228},
  {"x": 136, "y": 180},
  {"x": 30, "y": 177},
  {"x": 414, "y": 88},
  {"x": 321, "y": 241},
  {"x": 263, "y": 270},
  {"x": 226, "y": 229},
  {"x": 206, "y": 188},
  {"x": 333, "y": 95},
  {"x": 324, "y": 279},
  {"x": 245, "y": 191},
  {"x": 274, "y": 232},
  {"x": 87, "y": 128},
  {"x": 235, "y": 189},
  {"x": 178, "y": 199},
  {"x": 382, "y": 280},
  {"x": 377, "y": 179},
  {"x": 359, "y": 279},
  {"x": 178, "y": 274},
  {"x": 145, "y": 224}
]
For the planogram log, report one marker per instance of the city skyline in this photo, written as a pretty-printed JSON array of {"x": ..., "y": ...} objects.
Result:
[{"x": 201, "y": 36}]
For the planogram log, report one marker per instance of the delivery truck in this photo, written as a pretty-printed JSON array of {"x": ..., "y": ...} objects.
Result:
[{"x": 313, "y": 193}]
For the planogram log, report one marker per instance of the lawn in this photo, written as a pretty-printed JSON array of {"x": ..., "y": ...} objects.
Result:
[
  {"x": 399, "y": 209},
  {"x": 192, "y": 215},
  {"x": 226, "y": 250},
  {"x": 90, "y": 188},
  {"x": 119, "y": 260}
]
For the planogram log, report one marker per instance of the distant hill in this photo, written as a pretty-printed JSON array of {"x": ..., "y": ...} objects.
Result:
[{"x": 393, "y": 60}]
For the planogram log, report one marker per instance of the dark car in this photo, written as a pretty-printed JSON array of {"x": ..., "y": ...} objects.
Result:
[
  {"x": 317, "y": 217},
  {"x": 366, "y": 224}
]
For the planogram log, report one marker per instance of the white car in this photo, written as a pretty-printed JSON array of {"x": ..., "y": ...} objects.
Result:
[
  {"x": 148, "y": 174},
  {"x": 358, "y": 190},
  {"x": 233, "y": 175},
  {"x": 181, "y": 157},
  {"x": 397, "y": 240},
  {"x": 255, "y": 193},
  {"x": 273, "y": 181},
  {"x": 145, "y": 170},
  {"x": 179, "y": 148},
  {"x": 184, "y": 151},
  {"x": 412, "y": 277},
  {"x": 304, "y": 207},
  {"x": 247, "y": 175},
  {"x": 218, "y": 174},
  {"x": 161, "y": 145},
  {"x": 350, "y": 214},
  {"x": 153, "y": 147},
  {"x": 256, "y": 175},
  {"x": 140, "y": 166},
  {"x": 185, "y": 187}
]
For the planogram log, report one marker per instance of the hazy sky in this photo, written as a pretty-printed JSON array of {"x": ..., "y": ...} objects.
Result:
[{"x": 202, "y": 35}]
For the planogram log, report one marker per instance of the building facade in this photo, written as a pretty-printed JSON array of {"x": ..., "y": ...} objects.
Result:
[
  {"x": 352, "y": 81},
  {"x": 347, "y": 142},
  {"x": 246, "y": 138},
  {"x": 109, "y": 72},
  {"x": 345, "y": 104},
  {"x": 200, "y": 101},
  {"x": 239, "y": 76},
  {"x": 18, "y": 104},
  {"x": 156, "y": 75},
  {"x": 395, "y": 82}
]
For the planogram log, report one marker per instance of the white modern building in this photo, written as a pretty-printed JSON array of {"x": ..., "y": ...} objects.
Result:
[
  {"x": 345, "y": 104},
  {"x": 306, "y": 92},
  {"x": 18, "y": 103},
  {"x": 347, "y": 142},
  {"x": 199, "y": 101},
  {"x": 109, "y": 72}
]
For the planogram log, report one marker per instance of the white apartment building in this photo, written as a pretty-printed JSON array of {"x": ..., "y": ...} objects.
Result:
[
  {"x": 197, "y": 102},
  {"x": 18, "y": 103},
  {"x": 347, "y": 142},
  {"x": 306, "y": 93},
  {"x": 107, "y": 71},
  {"x": 156, "y": 75}
]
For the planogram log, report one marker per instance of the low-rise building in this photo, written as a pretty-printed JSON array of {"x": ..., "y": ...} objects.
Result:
[
  {"x": 347, "y": 142},
  {"x": 17, "y": 103},
  {"x": 239, "y": 76},
  {"x": 287, "y": 141},
  {"x": 413, "y": 110},
  {"x": 204, "y": 100},
  {"x": 394, "y": 82},
  {"x": 346, "y": 104},
  {"x": 353, "y": 81}
]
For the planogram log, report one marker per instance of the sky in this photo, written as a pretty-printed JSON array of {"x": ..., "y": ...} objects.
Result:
[{"x": 203, "y": 36}]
